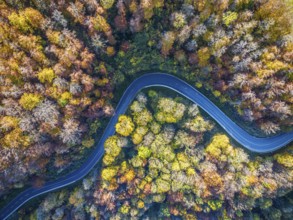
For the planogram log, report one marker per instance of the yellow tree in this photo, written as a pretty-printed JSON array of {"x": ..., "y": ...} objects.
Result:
[{"x": 124, "y": 126}]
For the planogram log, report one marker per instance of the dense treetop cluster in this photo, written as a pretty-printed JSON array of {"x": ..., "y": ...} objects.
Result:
[
  {"x": 244, "y": 50},
  {"x": 53, "y": 90},
  {"x": 163, "y": 169}
]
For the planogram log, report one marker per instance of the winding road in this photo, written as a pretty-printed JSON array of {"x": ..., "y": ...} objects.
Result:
[{"x": 259, "y": 145}]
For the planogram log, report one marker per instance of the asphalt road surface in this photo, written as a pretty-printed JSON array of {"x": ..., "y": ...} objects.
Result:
[{"x": 259, "y": 145}]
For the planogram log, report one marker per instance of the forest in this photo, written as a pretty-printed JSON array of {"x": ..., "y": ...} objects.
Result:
[
  {"x": 64, "y": 65},
  {"x": 167, "y": 160}
]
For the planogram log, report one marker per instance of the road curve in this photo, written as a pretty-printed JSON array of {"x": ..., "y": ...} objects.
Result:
[{"x": 259, "y": 145}]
